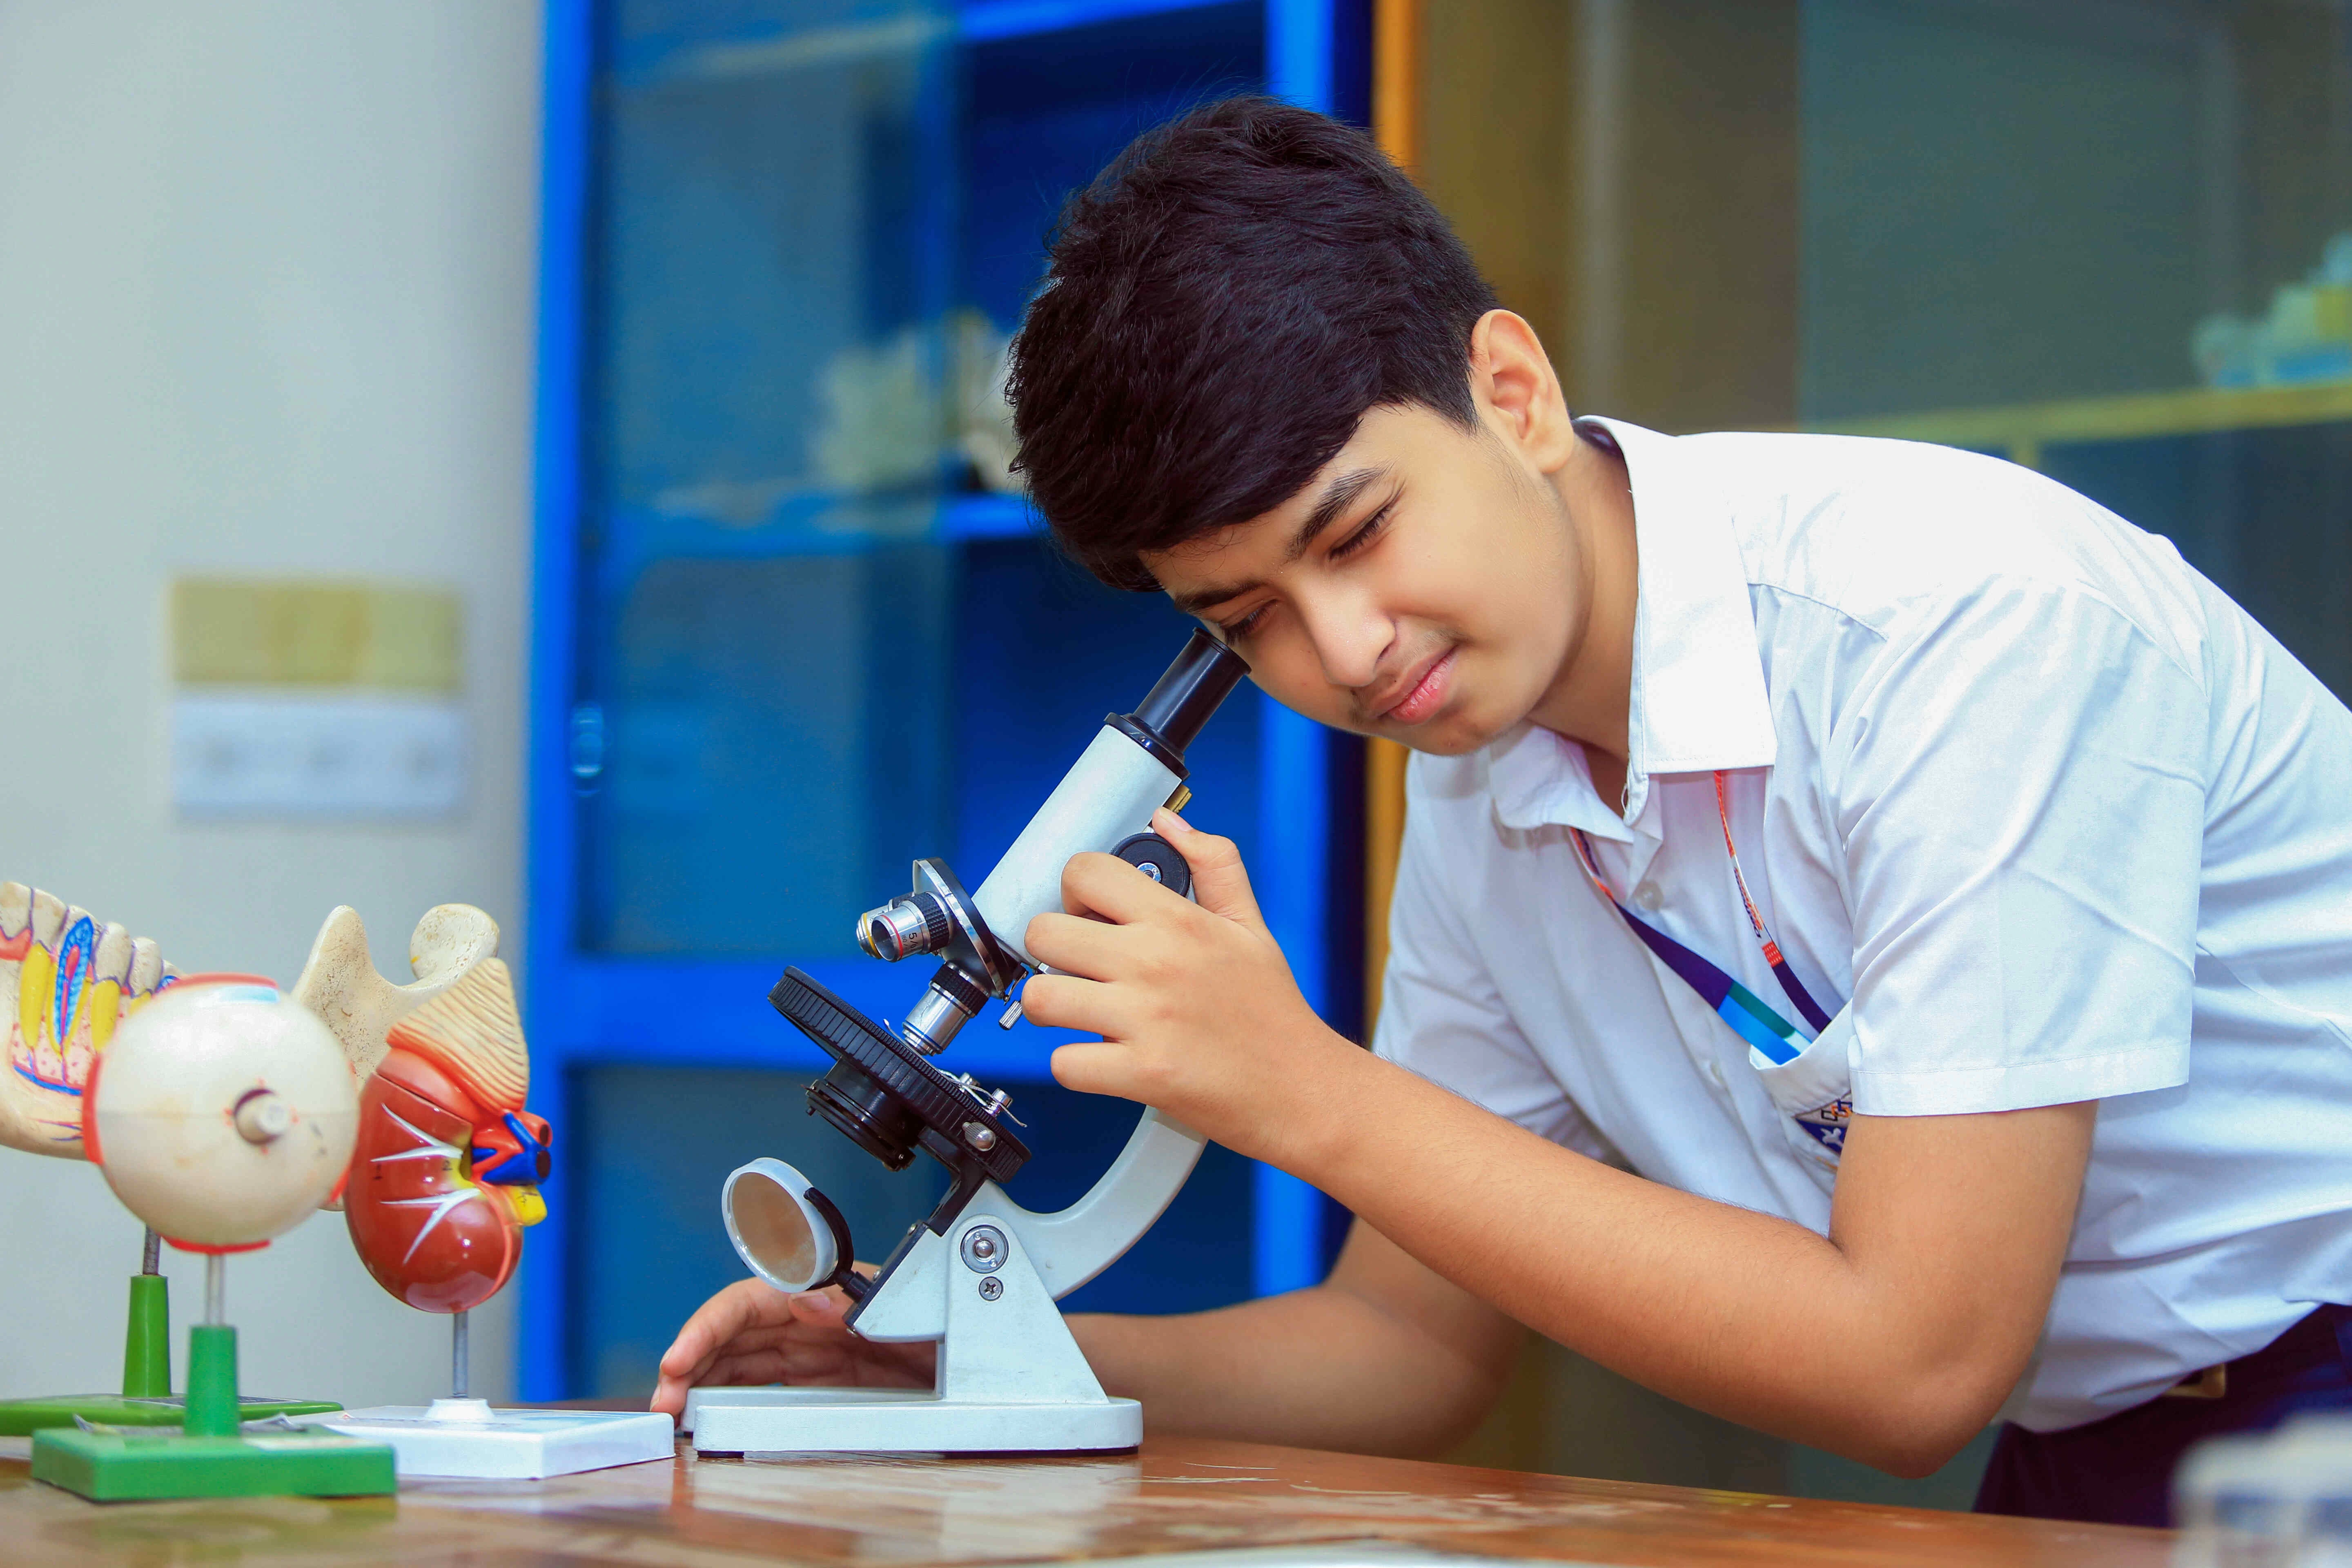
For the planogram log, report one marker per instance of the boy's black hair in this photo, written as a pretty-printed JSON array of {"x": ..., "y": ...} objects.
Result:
[{"x": 1221, "y": 306}]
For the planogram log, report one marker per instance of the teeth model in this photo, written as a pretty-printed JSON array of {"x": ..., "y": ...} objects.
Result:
[{"x": 66, "y": 983}]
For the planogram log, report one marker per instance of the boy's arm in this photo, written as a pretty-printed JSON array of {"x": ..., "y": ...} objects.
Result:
[
  {"x": 1383, "y": 1357},
  {"x": 1893, "y": 1339}
]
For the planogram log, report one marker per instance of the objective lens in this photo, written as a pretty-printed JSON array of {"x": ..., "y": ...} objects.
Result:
[{"x": 906, "y": 926}]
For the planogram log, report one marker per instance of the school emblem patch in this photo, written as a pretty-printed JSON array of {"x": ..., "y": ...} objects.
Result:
[{"x": 1827, "y": 1124}]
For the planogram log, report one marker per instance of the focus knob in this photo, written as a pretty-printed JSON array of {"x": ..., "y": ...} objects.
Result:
[{"x": 1157, "y": 858}]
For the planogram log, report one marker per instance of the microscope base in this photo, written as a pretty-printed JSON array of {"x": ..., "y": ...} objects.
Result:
[{"x": 902, "y": 1421}]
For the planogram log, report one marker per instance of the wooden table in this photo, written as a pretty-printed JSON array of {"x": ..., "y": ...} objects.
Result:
[{"x": 1177, "y": 1496}]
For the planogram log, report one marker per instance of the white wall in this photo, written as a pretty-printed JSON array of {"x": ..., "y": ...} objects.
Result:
[{"x": 267, "y": 280}]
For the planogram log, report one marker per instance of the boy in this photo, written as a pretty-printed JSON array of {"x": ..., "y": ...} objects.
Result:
[{"x": 1873, "y": 942}]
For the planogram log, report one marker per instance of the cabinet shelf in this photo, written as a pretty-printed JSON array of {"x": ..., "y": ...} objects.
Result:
[
  {"x": 2022, "y": 431},
  {"x": 763, "y": 53}
]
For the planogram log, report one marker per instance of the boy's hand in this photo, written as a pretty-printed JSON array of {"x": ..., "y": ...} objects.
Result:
[
  {"x": 1197, "y": 1010},
  {"x": 751, "y": 1333}
]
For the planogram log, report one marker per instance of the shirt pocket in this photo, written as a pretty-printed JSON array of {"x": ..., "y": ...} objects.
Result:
[{"x": 1813, "y": 1092}]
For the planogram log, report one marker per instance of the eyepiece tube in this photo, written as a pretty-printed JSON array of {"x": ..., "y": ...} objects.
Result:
[{"x": 1180, "y": 701}]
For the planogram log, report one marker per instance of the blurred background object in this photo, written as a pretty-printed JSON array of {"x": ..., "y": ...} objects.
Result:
[
  {"x": 2281, "y": 1497},
  {"x": 301, "y": 698}
]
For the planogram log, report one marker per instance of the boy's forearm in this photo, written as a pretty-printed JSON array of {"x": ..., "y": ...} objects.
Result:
[
  {"x": 1743, "y": 1314},
  {"x": 1313, "y": 1368}
]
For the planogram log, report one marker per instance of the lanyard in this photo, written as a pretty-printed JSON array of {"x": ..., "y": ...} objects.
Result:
[{"x": 1777, "y": 1039}]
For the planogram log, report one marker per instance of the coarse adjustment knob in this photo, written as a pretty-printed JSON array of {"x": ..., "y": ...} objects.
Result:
[{"x": 1157, "y": 858}]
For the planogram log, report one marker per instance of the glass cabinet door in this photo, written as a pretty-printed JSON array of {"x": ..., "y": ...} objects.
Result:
[
  {"x": 763, "y": 606},
  {"x": 793, "y": 629}
]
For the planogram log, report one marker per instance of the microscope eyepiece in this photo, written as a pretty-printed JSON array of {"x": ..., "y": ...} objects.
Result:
[{"x": 1179, "y": 703}]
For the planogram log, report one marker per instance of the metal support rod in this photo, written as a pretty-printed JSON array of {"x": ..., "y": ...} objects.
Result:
[
  {"x": 461, "y": 1354},
  {"x": 216, "y": 1287},
  {"x": 151, "y": 1257}
]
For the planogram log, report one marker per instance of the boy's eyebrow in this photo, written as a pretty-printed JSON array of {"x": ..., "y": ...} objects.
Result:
[{"x": 1337, "y": 497}]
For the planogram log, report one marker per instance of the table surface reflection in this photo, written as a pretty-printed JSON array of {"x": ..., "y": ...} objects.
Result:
[{"x": 1178, "y": 1495}]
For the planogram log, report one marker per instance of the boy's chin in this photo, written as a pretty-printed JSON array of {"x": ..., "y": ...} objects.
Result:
[{"x": 1445, "y": 734}]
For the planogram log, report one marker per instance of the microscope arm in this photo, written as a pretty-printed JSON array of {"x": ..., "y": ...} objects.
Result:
[{"x": 1066, "y": 1248}]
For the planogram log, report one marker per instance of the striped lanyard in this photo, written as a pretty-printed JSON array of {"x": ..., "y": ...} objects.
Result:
[{"x": 1773, "y": 1037}]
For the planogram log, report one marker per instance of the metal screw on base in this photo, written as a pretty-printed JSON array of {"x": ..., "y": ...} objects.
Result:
[
  {"x": 212, "y": 1408},
  {"x": 460, "y": 1355}
]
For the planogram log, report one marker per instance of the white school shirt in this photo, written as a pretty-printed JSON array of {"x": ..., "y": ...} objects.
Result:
[{"x": 2035, "y": 812}]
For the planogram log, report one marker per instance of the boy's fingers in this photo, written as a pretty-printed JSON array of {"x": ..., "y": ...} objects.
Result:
[
  {"x": 1093, "y": 1067},
  {"x": 746, "y": 1304},
  {"x": 1220, "y": 882},
  {"x": 1068, "y": 1001},
  {"x": 1074, "y": 945},
  {"x": 1108, "y": 888}
]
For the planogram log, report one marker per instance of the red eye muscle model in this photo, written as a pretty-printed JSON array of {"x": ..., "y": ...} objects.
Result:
[{"x": 446, "y": 1175}]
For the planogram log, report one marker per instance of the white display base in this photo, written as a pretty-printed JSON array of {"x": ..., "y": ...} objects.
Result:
[
  {"x": 902, "y": 1421},
  {"x": 465, "y": 1437}
]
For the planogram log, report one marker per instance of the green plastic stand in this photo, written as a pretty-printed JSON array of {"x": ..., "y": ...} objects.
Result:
[
  {"x": 209, "y": 1458},
  {"x": 147, "y": 1340},
  {"x": 146, "y": 1399}
]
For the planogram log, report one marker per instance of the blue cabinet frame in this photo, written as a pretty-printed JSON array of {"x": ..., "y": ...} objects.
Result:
[{"x": 1313, "y": 49}]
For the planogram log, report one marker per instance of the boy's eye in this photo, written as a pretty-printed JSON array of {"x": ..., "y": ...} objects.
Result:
[
  {"x": 1367, "y": 533},
  {"x": 1234, "y": 630}
]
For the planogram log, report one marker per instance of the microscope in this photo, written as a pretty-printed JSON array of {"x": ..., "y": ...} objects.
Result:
[{"x": 980, "y": 1276}]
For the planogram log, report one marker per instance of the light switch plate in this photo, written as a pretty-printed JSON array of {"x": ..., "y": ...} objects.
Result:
[{"x": 348, "y": 755}]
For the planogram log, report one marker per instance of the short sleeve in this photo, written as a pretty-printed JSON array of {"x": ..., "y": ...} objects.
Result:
[
  {"x": 2018, "y": 786},
  {"x": 1440, "y": 1015}
]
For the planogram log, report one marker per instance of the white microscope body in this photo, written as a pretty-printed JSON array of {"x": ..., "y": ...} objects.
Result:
[{"x": 982, "y": 1276}]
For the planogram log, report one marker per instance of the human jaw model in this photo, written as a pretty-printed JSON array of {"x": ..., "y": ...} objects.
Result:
[
  {"x": 340, "y": 984},
  {"x": 446, "y": 1174},
  {"x": 67, "y": 982}
]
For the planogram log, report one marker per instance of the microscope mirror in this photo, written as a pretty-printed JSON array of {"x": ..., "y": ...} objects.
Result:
[{"x": 788, "y": 1232}]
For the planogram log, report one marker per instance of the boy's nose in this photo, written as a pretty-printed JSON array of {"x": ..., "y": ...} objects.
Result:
[{"x": 1349, "y": 640}]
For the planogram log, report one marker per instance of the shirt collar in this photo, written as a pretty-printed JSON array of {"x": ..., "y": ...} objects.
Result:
[{"x": 1698, "y": 699}]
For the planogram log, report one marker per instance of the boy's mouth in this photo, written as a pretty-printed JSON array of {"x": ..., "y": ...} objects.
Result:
[{"x": 1424, "y": 696}]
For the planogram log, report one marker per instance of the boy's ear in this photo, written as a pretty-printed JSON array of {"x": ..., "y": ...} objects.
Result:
[{"x": 1517, "y": 394}]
